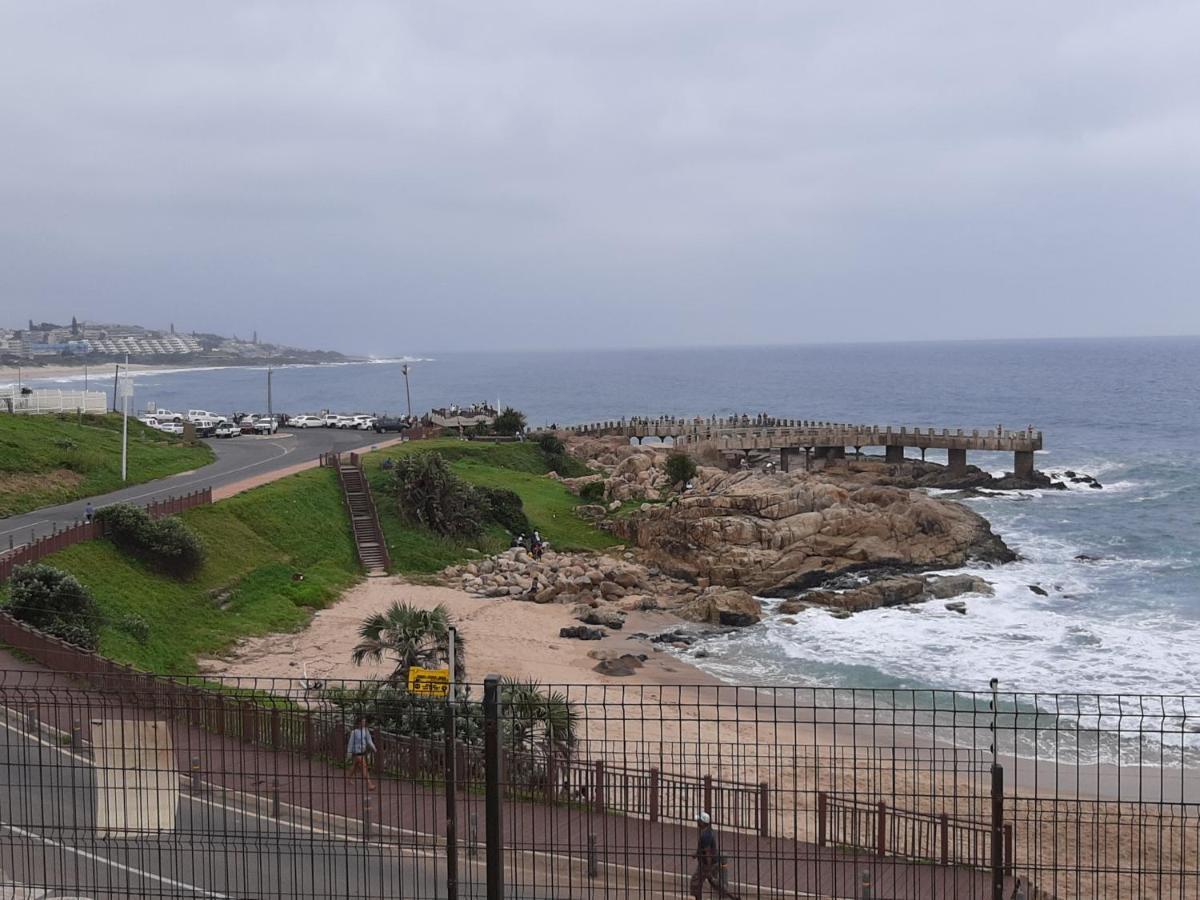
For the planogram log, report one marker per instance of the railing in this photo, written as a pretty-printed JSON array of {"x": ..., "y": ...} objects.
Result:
[
  {"x": 886, "y": 830},
  {"x": 44, "y": 546},
  {"x": 53, "y": 401},
  {"x": 334, "y": 461}
]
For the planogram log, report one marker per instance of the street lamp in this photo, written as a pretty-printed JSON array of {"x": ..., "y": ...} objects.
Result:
[{"x": 407, "y": 394}]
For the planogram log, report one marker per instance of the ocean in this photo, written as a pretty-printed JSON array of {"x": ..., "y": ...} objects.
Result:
[{"x": 1125, "y": 411}]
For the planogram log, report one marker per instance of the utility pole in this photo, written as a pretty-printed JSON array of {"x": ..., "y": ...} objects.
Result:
[
  {"x": 126, "y": 389},
  {"x": 269, "y": 413},
  {"x": 408, "y": 397}
]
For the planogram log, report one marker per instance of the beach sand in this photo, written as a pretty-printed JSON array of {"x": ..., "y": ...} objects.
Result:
[
  {"x": 501, "y": 636},
  {"x": 99, "y": 371}
]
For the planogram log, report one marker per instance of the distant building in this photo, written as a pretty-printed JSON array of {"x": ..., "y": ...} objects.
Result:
[{"x": 463, "y": 416}]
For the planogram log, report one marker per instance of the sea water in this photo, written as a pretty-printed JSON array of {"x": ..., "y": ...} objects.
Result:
[{"x": 1125, "y": 411}]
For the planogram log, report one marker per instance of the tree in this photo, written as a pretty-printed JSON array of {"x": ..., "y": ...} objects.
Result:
[
  {"x": 541, "y": 727},
  {"x": 428, "y": 493},
  {"x": 413, "y": 637},
  {"x": 509, "y": 422},
  {"x": 680, "y": 468},
  {"x": 54, "y": 601}
]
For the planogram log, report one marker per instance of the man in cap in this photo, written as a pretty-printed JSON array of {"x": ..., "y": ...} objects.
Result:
[{"x": 709, "y": 866}]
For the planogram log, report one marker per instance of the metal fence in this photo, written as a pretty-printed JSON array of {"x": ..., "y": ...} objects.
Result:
[{"x": 114, "y": 783}]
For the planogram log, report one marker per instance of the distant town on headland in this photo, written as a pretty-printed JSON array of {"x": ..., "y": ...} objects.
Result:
[{"x": 83, "y": 342}]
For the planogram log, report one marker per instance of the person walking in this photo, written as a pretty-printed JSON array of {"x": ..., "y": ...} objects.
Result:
[
  {"x": 710, "y": 867},
  {"x": 357, "y": 748},
  {"x": 89, "y": 513}
]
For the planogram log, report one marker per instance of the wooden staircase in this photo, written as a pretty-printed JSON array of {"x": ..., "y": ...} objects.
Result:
[{"x": 364, "y": 519}]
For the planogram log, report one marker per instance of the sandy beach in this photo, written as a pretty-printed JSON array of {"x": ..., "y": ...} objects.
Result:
[
  {"x": 501, "y": 636},
  {"x": 101, "y": 371}
]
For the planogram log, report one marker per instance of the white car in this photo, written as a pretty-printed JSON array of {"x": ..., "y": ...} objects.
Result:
[
  {"x": 226, "y": 430},
  {"x": 346, "y": 422},
  {"x": 171, "y": 427},
  {"x": 148, "y": 420},
  {"x": 331, "y": 420},
  {"x": 306, "y": 422},
  {"x": 365, "y": 423},
  {"x": 203, "y": 414}
]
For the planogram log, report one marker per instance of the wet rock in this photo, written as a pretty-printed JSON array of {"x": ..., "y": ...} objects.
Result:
[
  {"x": 1039, "y": 590},
  {"x": 622, "y": 666},
  {"x": 957, "y": 606},
  {"x": 600, "y": 615},
  {"x": 722, "y": 607},
  {"x": 582, "y": 633}
]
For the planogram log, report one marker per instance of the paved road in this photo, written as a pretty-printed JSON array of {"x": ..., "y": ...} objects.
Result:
[
  {"x": 51, "y": 845},
  {"x": 237, "y": 459}
]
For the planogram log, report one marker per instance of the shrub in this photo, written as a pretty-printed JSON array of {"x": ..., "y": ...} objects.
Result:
[
  {"x": 680, "y": 468},
  {"x": 135, "y": 626},
  {"x": 429, "y": 494},
  {"x": 54, "y": 601},
  {"x": 509, "y": 422},
  {"x": 551, "y": 445},
  {"x": 504, "y": 507},
  {"x": 592, "y": 492},
  {"x": 166, "y": 544}
]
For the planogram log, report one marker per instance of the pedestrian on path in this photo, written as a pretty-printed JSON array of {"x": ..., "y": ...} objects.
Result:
[
  {"x": 710, "y": 867},
  {"x": 89, "y": 513},
  {"x": 357, "y": 748}
]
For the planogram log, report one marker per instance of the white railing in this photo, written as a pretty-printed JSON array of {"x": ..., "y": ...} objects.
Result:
[{"x": 37, "y": 401}]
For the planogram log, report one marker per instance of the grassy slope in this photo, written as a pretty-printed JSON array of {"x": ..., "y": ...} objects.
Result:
[
  {"x": 32, "y": 446},
  {"x": 519, "y": 467},
  {"x": 256, "y": 541}
]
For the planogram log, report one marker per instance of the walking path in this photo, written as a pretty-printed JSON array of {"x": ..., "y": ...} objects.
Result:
[{"x": 547, "y": 847}]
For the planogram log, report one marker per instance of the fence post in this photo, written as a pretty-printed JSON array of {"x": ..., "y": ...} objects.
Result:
[
  {"x": 276, "y": 730},
  {"x": 764, "y": 828},
  {"x": 708, "y": 794},
  {"x": 598, "y": 793},
  {"x": 451, "y": 803},
  {"x": 882, "y": 823},
  {"x": 822, "y": 812},
  {"x": 493, "y": 807},
  {"x": 654, "y": 795},
  {"x": 997, "y": 832},
  {"x": 944, "y": 824}
]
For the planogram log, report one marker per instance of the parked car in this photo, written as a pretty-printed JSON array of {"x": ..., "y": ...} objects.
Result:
[
  {"x": 227, "y": 430},
  {"x": 331, "y": 420},
  {"x": 345, "y": 422},
  {"x": 363, "y": 422},
  {"x": 151, "y": 421},
  {"x": 165, "y": 415},
  {"x": 306, "y": 422},
  {"x": 171, "y": 427},
  {"x": 195, "y": 415},
  {"x": 265, "y": 425},
  {"x": 391, "y": 423},
  {"x": 205, "y": 427}
]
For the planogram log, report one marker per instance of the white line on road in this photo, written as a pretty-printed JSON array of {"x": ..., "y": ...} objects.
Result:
[{"x": 96, "y": 857}]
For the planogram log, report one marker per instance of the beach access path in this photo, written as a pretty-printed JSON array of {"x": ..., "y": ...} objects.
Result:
[{"x": 242, "y": 463}]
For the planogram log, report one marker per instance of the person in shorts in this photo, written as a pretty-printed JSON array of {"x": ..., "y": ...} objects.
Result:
[{"x": 357, "y": 748}]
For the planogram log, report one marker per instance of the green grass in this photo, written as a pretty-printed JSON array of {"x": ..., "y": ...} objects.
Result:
[
  {"x": 47, "y": 460},
  {"x": 519, "y": 467},
  {"x": 256, "y": 541}
]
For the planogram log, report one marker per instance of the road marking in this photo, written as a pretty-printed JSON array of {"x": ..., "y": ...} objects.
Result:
[{"x": 96, "y": 857}]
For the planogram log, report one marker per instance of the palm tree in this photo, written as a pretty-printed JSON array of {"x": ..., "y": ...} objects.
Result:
[
  {"x": 413, "y": 636},
  {"x": 541, "y": 729}
]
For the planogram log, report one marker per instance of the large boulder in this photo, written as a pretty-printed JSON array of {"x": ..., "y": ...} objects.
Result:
[
  {"x": 769, "y": 534},
  {"x": 722, "y": 607}
]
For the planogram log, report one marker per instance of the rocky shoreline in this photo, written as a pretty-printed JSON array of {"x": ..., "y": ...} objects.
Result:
[{"x": 862, "y": 534}]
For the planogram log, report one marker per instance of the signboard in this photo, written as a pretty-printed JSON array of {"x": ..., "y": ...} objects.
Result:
[
  {"x": 124, "y": 387},
  {"x": 433, "y": 684}
]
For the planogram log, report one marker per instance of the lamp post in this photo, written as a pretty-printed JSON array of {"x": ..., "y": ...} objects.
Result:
[
  {"x": 125, "y": 389},
  {"x": 407, "y": 394},
  {"x": 270, "y": 415}
]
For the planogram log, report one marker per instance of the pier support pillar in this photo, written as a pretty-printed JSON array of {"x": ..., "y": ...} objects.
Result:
[
  {"x": 785, "y": 456},
  {"x": 807, "y": 458},
  {"x": 893, "y": 453},
  {"x": 820, "y": 452},
  {"x": 1023, "y": 463},
  {"x": 957, "y": 459},
  {"x": 837, "y": 452}
]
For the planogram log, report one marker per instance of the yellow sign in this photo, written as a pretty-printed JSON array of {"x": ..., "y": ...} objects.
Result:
[{"x": 432, "y": 683}]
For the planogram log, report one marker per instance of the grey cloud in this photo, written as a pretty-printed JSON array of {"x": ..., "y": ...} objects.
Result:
[{"x": 565, "y": 174}]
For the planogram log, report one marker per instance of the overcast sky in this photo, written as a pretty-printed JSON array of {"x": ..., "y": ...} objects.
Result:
[{"x": 402, "y": 177}]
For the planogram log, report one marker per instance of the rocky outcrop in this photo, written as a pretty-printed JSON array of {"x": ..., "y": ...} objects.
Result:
[
  {"x": 716, "y": 606},
  {"x": 770, "y": 533},
  {"x": 895, "y": 590}
]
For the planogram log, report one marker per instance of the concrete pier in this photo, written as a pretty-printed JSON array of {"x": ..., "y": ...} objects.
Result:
[{"x": 825, "y": 440}]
